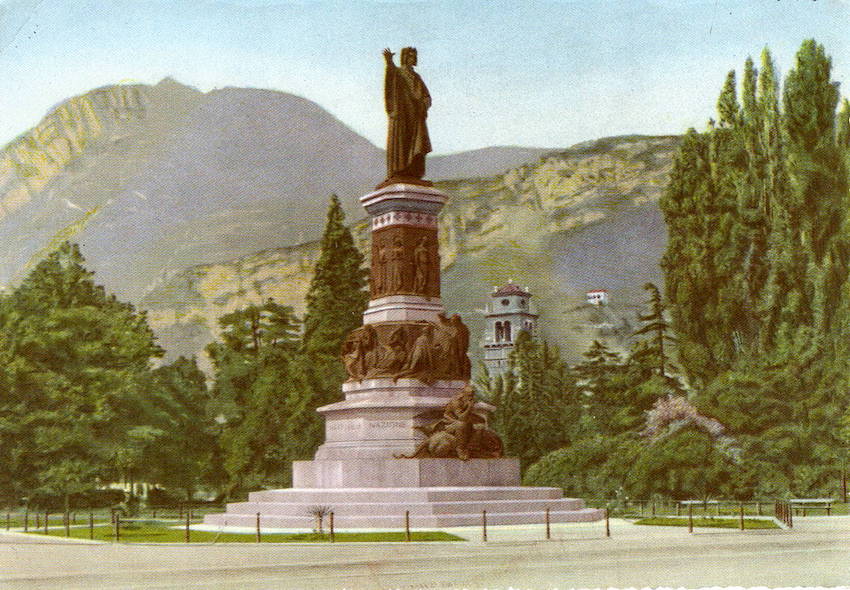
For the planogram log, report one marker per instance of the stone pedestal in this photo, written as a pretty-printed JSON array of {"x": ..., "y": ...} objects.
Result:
[
  {"x": 357, "y": 472},
  {"x": 378, "y": 417},
  {"x": 405, "y": 473}
]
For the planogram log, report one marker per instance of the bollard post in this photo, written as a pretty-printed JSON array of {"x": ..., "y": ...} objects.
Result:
[
  {"x": 678, "y": 509},
  {"x": 91, "y": 525},
  {"x": 117, "y": 527},
  {"x": 331, "y": 523},
  {"x": 484, "y": 525},
  {"x": 607, "y": 524},
  {"x": 790, "y": 516},
  {"x": 758, "y": 508},
  {"x": 258, "y": 527},
  {"x": 742, "y": 515},
  {"x": 548, "y": 531},
  {"x": 407, "y": 525},
  {"x": 690, "y": 518},
  {"x": 26, "y": 519}
]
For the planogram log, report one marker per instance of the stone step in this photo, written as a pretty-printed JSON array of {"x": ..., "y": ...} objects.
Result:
[
  {"x": 399, "y": 508},
  {"x": 322, "y": 496},
  {"x": 396, "y": 522}
]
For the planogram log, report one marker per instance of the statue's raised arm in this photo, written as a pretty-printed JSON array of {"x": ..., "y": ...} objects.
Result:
[{"x": 407, "y": 101}]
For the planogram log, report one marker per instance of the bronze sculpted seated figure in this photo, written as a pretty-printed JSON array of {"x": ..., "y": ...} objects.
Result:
[{"x": 459, "y": 433}]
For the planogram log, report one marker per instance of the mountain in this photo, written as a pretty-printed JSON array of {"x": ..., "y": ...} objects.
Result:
[
  {"x": 192, "y": 204},
  {"x": 572, "y": 221},
  {"x": 482, "y": 162},
  {"x": 152, "y": 179}
]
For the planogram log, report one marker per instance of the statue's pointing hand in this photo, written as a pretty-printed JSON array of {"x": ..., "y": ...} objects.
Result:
[{"x": 388, "y": 56}]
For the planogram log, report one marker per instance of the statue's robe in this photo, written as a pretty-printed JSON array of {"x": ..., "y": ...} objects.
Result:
[{"x": 407, "y": 102}]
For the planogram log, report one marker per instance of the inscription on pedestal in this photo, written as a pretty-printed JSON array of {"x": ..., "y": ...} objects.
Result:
[{"x": 387, "y": 424}]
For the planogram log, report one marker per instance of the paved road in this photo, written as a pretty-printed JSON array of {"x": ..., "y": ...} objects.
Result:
[{"x": 815, "y": 553}]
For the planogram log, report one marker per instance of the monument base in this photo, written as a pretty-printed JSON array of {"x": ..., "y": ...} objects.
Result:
[
  {"x": 405, "y": 473},
  {"x": 385, "y": 508}
]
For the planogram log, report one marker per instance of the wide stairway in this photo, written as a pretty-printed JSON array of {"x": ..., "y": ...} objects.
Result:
[{"x": 294, "y": 508}]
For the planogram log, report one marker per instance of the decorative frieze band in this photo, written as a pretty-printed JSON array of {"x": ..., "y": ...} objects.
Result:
[{"x": 414, "y": 219}]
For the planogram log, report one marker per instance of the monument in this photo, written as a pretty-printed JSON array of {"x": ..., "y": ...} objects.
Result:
[{"x": 409, "y": 435}]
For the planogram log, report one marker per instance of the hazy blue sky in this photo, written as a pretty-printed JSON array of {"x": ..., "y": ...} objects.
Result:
[{"x": 546, "y": 74}]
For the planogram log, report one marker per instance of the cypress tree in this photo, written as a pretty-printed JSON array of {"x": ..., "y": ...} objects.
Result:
[
  {"x": 842, "y": 132},
  {"x": 727, "y": 103}
]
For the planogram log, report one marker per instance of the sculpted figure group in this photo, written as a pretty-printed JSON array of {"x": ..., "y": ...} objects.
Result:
[
  {"x": 460, "y": 433},
  {"x": 399, "y": 269},
  {"x": 426, "y": 351}
]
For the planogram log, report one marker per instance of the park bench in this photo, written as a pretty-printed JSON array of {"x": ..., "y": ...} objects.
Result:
[{"x": 800, "y": 504}]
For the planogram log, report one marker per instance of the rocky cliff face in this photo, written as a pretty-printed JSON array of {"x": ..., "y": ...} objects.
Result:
[
  {"x": 153, "y": 179},
  {"x": 203, "y": 202},
  {"x": 572, "y": 221},
  {"x": 35, "y": 158}
]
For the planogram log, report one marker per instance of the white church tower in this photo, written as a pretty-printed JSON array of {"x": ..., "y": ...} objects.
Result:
[{"x": 508, "y": 312}]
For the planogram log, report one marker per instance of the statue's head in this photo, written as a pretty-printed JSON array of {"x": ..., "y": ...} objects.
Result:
[{"x": 408, "y": 56}]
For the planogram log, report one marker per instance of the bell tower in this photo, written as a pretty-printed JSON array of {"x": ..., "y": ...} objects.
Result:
[{"x": 508, "y": 312}]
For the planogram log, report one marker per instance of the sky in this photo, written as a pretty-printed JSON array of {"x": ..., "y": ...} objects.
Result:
[{"x": 540, "y": 74}]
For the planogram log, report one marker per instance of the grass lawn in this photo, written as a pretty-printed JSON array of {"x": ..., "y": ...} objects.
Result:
[
  {"x": 723, "y": 523},
  {"x": 148, "y": 532}
]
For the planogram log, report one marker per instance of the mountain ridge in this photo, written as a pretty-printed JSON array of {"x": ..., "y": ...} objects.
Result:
[{"x": 186, "y": 177}]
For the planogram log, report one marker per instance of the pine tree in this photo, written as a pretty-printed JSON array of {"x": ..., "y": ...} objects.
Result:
[
  {"x": 655, "y": 323},
  {"x": 337, "y": 297}
]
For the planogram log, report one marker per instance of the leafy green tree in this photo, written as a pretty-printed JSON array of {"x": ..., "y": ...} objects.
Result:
[
  {"x": 685, "y": 465},
  {"x": 336, "y": 300},
  {"x": 78, "y": 361},
  {"x": 591, "y": 466},
  {"x": 253, "y": 362},
  {"x": 538, "y": 401},
  {"x": 181, "y": 451}
]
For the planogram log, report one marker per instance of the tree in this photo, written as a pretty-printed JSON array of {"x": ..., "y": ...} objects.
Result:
[
  {"x": 537, "y": 400},
  {"x": 685, "y": 465},
  {"x": 78, "y": 361},
  {"x": 253, "y": 363},
  {"x": 656, "y": 324},
  {"x": 180, "y": 454},
  {"x": 336, "y": 298},
  {"x": 727, "y": 104}
]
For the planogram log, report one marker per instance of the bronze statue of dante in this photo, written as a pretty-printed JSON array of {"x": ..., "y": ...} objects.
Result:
[{"x": 407, "y": 102}]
